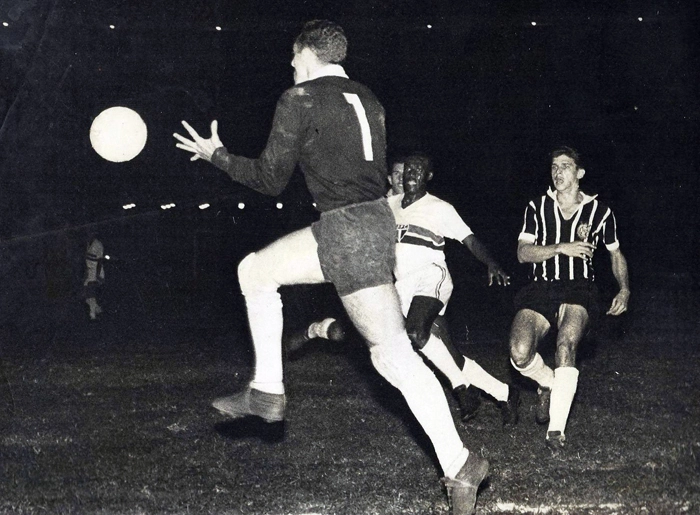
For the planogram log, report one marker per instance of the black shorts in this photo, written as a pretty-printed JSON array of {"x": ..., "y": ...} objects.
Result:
[
  {"x": 545, "y": 297},
  {"x": 356, "y": 245}
]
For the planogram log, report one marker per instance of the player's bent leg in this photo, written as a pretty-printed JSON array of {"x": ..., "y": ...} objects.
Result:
[
  {"x": 484, "y": 381},
  {"x": 377, "y": 316},
  {"x": 528, "y": 328},
  {"x": 290, "y": 260},
  {"x": 419, "y": 320},
  {"x": 441, "y": 330},
  {"x": 420, "y": 326},
  {"x": 573, "y": 320}
]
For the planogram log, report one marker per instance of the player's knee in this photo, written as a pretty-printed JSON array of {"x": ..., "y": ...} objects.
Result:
[
  {"x": 418, "y": 335},
  {"x": 521, "y": 355},
  {"x": 252, "y": 279},
  {"x": 393, "y": 361}
]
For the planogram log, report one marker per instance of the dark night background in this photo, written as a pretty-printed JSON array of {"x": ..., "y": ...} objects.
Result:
[{"x": 484, "y": 91}]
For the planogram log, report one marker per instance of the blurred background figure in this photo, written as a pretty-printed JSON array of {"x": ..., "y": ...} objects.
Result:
[{"x": 94, "y": 275}]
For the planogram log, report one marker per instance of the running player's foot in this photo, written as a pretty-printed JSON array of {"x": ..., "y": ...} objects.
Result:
[
  {"x": 469, "y": 401},
  {"x": 542, "y": 409},
  {"x": 296, "y": 341},
  {"x": 555, "y": 441},
  {"x": 509, "y": 408},
  {"x": 267, "y": 406},
  {"x": 462, "y": 490},
  {"x": 328, "y": 329}
]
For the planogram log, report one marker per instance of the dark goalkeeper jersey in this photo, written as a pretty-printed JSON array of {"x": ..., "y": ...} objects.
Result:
[{"x": 334, "y": 129}]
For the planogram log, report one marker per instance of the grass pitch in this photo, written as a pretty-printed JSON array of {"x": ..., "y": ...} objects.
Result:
[{"x": 115, "y": 417}]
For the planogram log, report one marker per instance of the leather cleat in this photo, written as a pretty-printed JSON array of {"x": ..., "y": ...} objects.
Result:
[
  {"x": 509, "y": 408},
  {"x": 555, "y": 441},
  {"x": 294, "y": 342},
  {"x": 542, "y": 409},
  {"x": 462, "y": 490},
  {"x": 252, "y": 402},
  {"x": 469, "y": 401}
]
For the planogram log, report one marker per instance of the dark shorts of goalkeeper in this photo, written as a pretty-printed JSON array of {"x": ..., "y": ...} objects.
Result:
[{"x": 356, "y": 246}]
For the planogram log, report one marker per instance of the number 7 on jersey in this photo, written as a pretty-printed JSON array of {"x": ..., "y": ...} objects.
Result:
[{"x": 355, "y": 102}]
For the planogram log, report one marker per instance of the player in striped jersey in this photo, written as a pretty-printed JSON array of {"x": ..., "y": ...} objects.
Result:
[
  {"x": 560, "y": 233},
  {"x": 333, "y": 128}
]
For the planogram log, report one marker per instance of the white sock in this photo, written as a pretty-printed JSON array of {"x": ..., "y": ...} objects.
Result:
[
  {"x": 397, "y": 362},
  {"x": 538, "y": 371},
  {"x": 439, "y": 356},
  {"x": 485, "y": 381},
  {"x": 563, "y": 391},
  {"x": 320, "y": 329},
  {"x": 265, "y": 321},
  {"x": 457, "y": 464}
]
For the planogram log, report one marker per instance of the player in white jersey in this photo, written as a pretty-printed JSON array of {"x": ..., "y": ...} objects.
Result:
[{"x": 424, "y": 285}]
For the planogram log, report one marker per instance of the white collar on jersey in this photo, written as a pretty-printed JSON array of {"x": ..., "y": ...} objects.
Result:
[
  {"x": 586, "y": 198},
  {"x": 329, "y": 70}
]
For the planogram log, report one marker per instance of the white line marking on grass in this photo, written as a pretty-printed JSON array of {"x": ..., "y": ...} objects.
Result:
[{"x": 509, "y": 507}]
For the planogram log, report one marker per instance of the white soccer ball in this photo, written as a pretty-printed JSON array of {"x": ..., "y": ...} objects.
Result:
[{"x": 118, "y": 134}]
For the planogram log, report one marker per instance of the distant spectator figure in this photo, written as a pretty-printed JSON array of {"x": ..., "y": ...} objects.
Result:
[{"x": 94, "y": 276}]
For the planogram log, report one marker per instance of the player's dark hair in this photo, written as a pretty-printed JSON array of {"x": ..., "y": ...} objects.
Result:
[
  {"x": 423, "y": 159},
  {"x": 397, "y": 158},
  {"x": 569, "y": 152},
  {"x": 324, "y": 38}
]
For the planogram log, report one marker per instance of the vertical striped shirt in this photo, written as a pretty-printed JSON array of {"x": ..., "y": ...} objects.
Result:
[{"x": 544, "y": 224}]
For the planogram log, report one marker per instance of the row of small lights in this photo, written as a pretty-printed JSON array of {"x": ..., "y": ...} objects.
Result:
[
  {"x": 204, "y": 206},
  {"x": 218, "y": 27},
  {"x": 429, "y": 26}
]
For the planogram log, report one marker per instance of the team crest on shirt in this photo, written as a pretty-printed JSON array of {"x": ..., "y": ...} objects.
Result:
[
  {"x": 583, "y": 231},
  {"x": 401, "y": 230}
]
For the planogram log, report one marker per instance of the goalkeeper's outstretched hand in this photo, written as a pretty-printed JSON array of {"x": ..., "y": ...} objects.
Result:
[{"x": 200, "y": 147}]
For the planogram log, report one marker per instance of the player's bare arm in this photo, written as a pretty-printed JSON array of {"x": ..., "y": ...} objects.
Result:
[
  {"x": 495, "y": 272},
  {"x": 531, "y": 253},
  {"x": 619, "y": 269},
  {"x": 201, "y": 148}
]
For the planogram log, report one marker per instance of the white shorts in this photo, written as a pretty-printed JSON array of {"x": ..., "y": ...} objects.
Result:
[{"x": 433, "y": 280}]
